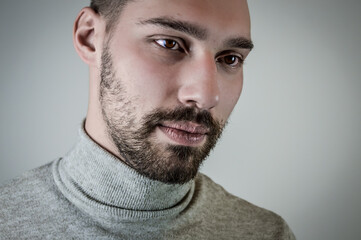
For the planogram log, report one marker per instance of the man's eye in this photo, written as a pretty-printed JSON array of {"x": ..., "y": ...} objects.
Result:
[
  {"x": 232, "y": 60},
  {"x": 168, "y": 44}
]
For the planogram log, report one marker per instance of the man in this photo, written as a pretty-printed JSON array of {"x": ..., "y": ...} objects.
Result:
[{"x": 164, "y": 78}]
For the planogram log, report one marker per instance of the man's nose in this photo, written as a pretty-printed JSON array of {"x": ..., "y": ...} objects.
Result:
[{"x": 199, "y": 84}]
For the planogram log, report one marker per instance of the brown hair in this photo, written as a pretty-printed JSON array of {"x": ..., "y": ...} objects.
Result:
[{"x": 109, "y": 9}]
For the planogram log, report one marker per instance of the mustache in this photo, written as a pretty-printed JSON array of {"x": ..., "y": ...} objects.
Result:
[{"x": 202, "y": 117}]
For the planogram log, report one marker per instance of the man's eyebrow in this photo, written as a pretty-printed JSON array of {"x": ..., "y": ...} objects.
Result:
[
  {"x": 240, "y": 42},
  {"x": 189, "y": 28},
  {"x": 196, "y": 31}
]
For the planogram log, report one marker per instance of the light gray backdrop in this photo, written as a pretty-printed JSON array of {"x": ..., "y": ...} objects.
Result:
[{"x": 293, "y": 144}]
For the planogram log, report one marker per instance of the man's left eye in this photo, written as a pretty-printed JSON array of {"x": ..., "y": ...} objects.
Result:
[
  {"x": 168, "y": 44},
  {"x": 231, "y": 60}
]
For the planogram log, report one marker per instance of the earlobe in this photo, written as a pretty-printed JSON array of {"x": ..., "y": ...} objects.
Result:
[{"x": 84, "y": 35}]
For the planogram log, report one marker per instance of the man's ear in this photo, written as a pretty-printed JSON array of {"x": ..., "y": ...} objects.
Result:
[{"x": 87, "y": 28}]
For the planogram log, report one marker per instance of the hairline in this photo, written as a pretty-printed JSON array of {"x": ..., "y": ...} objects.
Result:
[{"x": 112, "y": 19}]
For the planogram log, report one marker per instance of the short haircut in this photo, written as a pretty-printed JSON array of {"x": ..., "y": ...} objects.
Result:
[{"x": 109, "y": 9}]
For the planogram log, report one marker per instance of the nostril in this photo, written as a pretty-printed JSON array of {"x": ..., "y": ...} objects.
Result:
[{"x": 191, "y": 103}]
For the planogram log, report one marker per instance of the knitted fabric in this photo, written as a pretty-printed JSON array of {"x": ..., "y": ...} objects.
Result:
[{"x": 90, "y": 194}]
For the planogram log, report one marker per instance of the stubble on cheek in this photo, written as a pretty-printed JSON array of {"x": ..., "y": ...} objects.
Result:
[{"x": 135, "y": 138}]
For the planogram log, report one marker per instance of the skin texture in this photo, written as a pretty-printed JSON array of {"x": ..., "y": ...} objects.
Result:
[{"x": 159, "y": 94}]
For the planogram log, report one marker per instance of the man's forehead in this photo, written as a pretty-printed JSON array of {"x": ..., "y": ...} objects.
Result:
[
  {"x": 204, "y": 11},
  {"x": 198, "y": 18}
]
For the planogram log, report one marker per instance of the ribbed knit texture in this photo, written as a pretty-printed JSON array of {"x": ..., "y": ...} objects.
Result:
[
  {"x": 90, "y": 194},
  {"x": 99, "y": 184}
]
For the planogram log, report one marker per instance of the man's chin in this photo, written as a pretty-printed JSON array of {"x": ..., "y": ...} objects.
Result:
[
  {"x": 172, "y": 163},
  {"x": 177, "y": 172},
  {"x": 183, "y": 163}
]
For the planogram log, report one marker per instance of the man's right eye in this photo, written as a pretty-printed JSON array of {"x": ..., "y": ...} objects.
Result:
[{"x": 168, "y": 44}]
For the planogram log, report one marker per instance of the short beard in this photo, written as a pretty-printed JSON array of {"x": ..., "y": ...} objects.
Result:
[{"x": 135, "y": 141}]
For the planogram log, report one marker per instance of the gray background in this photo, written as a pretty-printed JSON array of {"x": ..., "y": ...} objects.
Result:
[{"x": 293, "y": 144}]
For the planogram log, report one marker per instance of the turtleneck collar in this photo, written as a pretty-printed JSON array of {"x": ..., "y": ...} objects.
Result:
[{"x": 102, "y": 186}]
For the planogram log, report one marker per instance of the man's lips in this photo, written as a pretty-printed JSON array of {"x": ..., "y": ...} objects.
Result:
[
  {"x": 188, "y": 127},
  {"x": 184, "y": 133}
]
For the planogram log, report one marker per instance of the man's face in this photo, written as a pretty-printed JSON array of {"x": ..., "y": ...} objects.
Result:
[{"x": 171, "y": 74}]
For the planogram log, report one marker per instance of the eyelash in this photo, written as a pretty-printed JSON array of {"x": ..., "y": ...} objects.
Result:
[{"x": 239, "y": 61}]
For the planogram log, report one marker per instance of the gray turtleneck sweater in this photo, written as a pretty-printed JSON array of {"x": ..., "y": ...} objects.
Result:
[{"x": 90, "y": 194}]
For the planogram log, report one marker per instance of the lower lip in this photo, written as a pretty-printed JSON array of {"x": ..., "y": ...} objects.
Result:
[{"x": 182, "y": 137}]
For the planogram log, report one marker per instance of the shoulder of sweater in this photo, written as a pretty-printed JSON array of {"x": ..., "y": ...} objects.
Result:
[
  {"x": 32, "y": 207},
  {"x": 27, "y": 196},
  {"x": 32, "y": 182},
  {"x": 232, "y": 209},
  {"x": 215, "y": 191}
]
